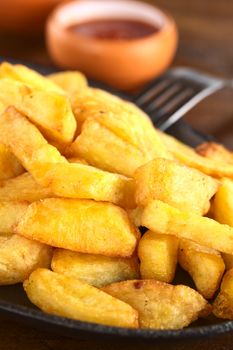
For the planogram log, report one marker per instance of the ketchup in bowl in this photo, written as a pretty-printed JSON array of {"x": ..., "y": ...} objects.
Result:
[{"x": 114, "y": 29}]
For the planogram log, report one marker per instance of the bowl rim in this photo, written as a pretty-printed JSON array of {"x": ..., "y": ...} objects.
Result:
[{"x": 167, "y": 23}]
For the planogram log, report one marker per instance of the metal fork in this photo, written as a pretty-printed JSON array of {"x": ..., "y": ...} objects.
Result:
[{"x": 169, "y": 97}]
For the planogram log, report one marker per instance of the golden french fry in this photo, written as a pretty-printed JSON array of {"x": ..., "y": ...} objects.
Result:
[
  {"x": 175, "y": 184},
  {"x": 81, "y": 225},
  {"x": 10, "y": 214},
  {"x": 9, "y": 165},
  {"x": 160, "y": 305},
  {"x": 90, "y": 102},
  {"x": 223, "y": 304},
  {"x": 28, "y": 76},
  {"x": 84, "y": 181},
  {"x": 228, "y": 260},
  {"x": 197, "y": 261},
  {"x": 68, "y": 297},
  {"x": 23, "y": 188},
  {"x": 163, "y": 218},
  {"x": 158, "y": 256},
  {"x": 70, "y": 81},
  {"x": 188, "y": 156},
  {"x": 222, "y": 207},
  {"x": 33, "y": 151},
  {"x": 78, "y": 160},
  {"x": 20, "y": 256},
  {"x": 135, "y": 215},
  {"x": 110, "y": 153},
  {"x": 118, "y": 129},
  {"x": 96, "y": 270},
  {"x": 215, "y": 151},
  {"x": 49, "y": 110}
]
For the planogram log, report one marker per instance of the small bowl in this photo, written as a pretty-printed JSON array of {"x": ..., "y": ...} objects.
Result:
[{"x": 124, "y": 64}]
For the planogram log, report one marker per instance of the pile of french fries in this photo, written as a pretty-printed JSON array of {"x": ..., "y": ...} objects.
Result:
[{"x": 80, "y": 171}]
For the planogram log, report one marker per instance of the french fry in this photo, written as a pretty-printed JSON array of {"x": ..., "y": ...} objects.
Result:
[
  {"x": 118, "y": 131},
  {"x": 26, "y": 75},
  {"x": 81, "y": 225},
  {"x": 33, "y": 151},
  {"x": 23, "y": 188},
  {"x": 189, "y": 157},
  {"x": 215, "y": 151},
  {"x": 223, "y": 304},
  {"x": 228, "y": 260},
  {"x": 84, "y": 181},
  {"x": 70, "y": 81},
  {"x": 135, "y": 215},
  {"x": 165, "y": 219},
  {"x": 20, "y": 256},
  {"x": 9, "y": 164},
  {"x": 96, "y": 270},
  {"x": 10, "y": 214},
  {"x": 222, "y": 207},
  {"x": 108, "y": 151},
  {"x": 68, "y": 297},
  {"x": 175, "y": 184},
  {"x": 158, "y": 256},
  {"x": 199, "y": 261},
  {"x": 160, "y": 305},
  {"x": 90, "y": 102},
  {"x": 50, "y": 111}
]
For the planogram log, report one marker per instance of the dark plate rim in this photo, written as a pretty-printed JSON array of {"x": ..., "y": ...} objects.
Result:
[
  {"x": 30, "y": 314},
  {"x": 42, "y": 319}
]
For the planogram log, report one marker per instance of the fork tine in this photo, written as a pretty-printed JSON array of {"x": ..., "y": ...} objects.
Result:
[
  {"x": 160, "y": 116},
  {"x": 151, "y": 90},
  {"x": 162, "y": 98},
  {"x": 168, "y": 98}
]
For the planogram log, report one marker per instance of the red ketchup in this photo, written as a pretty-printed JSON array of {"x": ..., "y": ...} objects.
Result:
[{"x": 114, "y": 29}]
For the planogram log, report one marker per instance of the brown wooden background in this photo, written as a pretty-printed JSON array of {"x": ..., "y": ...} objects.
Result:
[{"x": 206, "y": 42}]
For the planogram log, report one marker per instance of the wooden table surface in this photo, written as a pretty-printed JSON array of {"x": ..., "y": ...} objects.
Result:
[{"x": 206, "y": 42}]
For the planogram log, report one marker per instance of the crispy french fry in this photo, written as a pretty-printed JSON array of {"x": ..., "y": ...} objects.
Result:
[
  {"x": 9, "y": 164},
  {"x": 10, "y": 214},
  {"x": 223, "y": 304},
  {"x": 228, "y": 260},
  {"x": 135, "y": 215},
  {"x": 160, "y": 305},
  {"x": 78, "y": 160},
  {"x": 222, "y": 207},
  {"x": 215, "y": 151},
  {"x": 90, "y": 102},
  {"x": 33, "y": 151},
  {"x": 28, "y": 76},
  {"x": 68, "y": 297},
  {"x": 85, "y": 226},
  {"x": 96, "y": 270},
  {"x": 158, "y": 256},
  {"x": 84, "y": 181},
  {"x": 23, "y": 188},
  {"x": 199, "y": 261},
  {"x": 188, "y": 156},
  {"x": 163, "y": 218},
  {"x": 110, "y": 152},
  {"x": 175, "y": 184},
  {"x": 50, "y": 111},
  {"x": 20, "y": 256},
  {"x": 70, "y": 81},
  {"x": 119, "y": 130}
]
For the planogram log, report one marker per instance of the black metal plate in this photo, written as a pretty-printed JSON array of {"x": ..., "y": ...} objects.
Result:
[{"x": 14, "y": 303}]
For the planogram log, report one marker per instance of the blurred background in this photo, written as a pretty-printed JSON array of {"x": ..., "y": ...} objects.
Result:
[{"x": 205, "y": 42}]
